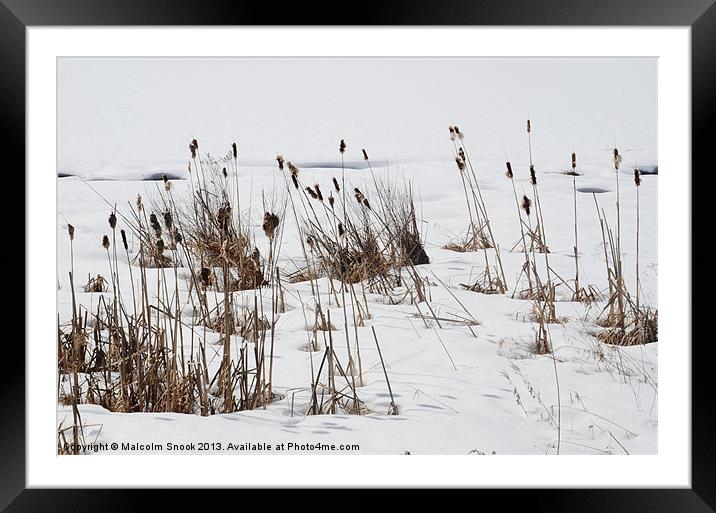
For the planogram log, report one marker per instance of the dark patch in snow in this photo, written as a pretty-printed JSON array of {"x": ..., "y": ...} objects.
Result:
[
  {"x": 595, "y": 190},
  {"x": 357, "y": 164},
  {"x": 160, "y": 176}
]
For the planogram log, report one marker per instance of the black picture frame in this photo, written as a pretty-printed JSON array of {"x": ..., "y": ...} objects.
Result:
[{"x": 17, "y": 15}]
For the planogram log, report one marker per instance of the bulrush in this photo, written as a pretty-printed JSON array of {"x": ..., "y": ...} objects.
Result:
[
  {"x": 335, "y": 185},
  {"x": 526, "y": 204},
  {"x": 294, "y": 174},
  {"x": 279, "y": 159},
  {"x": 458, "y": 133},
  {"x": 139, "y": 202},
  {"x": 155, "y": 225},
  {"x": 168, "y": 221},
  {"x": 160, "y": 246},
  {"x": 312, "y": 193},
  {"x": 533, "y": 175},
  {"x": 637, "y": 178},
  {"x": 233, "y": 150},
  {"x": 617, "y": 159},
  {"x": 574, "y": 162},
  {"x": 270, "y": 224},
  {"x": 360, "y": 198},
  {"x": 112, "y": 220},
  {"x": 460, "y": 163},
  {"x": 224, "y": 172},
  {"x": 342, "y": 146},
  {"x": 365, "y": 155},
  {"x": 177, "y": 236},
  {"x": 124, "y": 240},
  {"x": 461, "y": 152},
  {"x": 318, "y": 192},
  {"x": 452, "y": 132},
  {"x": 529, "y": 127},
  {"x": 508, "y": 173},
  {"x": 105, "y": 242},
  {"x": 192, "y": 149},
  {"x": 331, "y": 200},
  {"x": 71, "y": 231},
  {"x": 341, "y": 230}
]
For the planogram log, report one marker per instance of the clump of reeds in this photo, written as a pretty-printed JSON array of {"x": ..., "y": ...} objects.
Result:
[
  {"x": 625, "y": 321},
  {"x": 478, "y": 235}
]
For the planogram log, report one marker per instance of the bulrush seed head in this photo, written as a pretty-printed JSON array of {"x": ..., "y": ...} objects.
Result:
[
  {"x": 461, "y": 152},
  {"x": 279, "y": 159},
  {"x": 331, "y": 200},
  {"x": 617, "y": 159},
  {"x": 460, "y": 163},
  {"x": 233, "y": 150},
  {"x": 124, "y": 240},
  {"x": 342, "y": 146},
  {"x": 168, "y": 221},
  {"x": 160, "y": 246},
  {"x": 452, "y": 132},
  {"x": 341, "y": 230},
  {"x": 139, "y": 202},
  {"x": 574, "y": 161},
  {"x": 335, "y": 185},
  {"x": 318, "y": 192},
  {"x": 71, "y": 231},
  {"x": 637, "y": 178},
  {"x": 458, "y": 133},
  {"x": 270, "y": 224},
  {"x": 360, "y": 198},
  {"x": 105, "y": 242},
  {"x": 311, "y": 193},
  {"x": 295, "y": 181},
  {"x": 192, "y": 149},
  {"x": 177, "y": 236},
  {"x": 223, "y": 172},
  {"x": 112, "y": 220},
  {"x": 293, "y": 169},
  {"x": 529, "y": 126},
  {"x": 526, "y": 204},
  {"x": 533, "y": 175},
  {"x": 508, "y": 173},
  {"x": 365, "y": 155}
]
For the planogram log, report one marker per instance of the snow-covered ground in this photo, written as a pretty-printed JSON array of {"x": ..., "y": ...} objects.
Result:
[{"x": 120, "y": 121}]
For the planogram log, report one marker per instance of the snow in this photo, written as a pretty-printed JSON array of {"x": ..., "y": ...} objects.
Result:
[{"x": 124, "y": 122}]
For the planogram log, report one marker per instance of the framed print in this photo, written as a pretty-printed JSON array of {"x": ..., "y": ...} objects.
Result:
[{"x": 358, "y": 254}]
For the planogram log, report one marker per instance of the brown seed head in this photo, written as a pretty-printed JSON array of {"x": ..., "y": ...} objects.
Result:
[
  {"x": 460, "y": 163},
  {"x": 341, "y": 230},
  {"x": 452, "y": 132},
  {"x": 365, "y": 155},
  {"x": 112, "y": 220},
  {"x": 318, "y": 192},
  {"x": 526, "y": 204},
  {"x": 335, "y": 185},
  {"x": 105, "y": 242},
  {"x": 139, "y": 202},
  {"x": 508, "y": 173},
  {"x": 311, "y": 193},
  {"x": 233, "y": 150},
  {"x": 458, "y": 133},
  {"x": 124, "y": 240},
  {"x": 533, "y": 175},
  {"x": 279, "y": 159},
  {"x": 160, "y": 246},
  {"x": 331, "y": 199},
  {"x": 293, "y": 169},
  {"x": 168, "y": 219},
  {"x": 529, "y": 126},
  {"x": 177, "y": 236},
  {"x": 574, "y": 161},
  {"x": 637, "y": 178},
  {"x": 359, "y": 195},
  {"x": 270, "y": 224},
  {"x": 617, "y": 159},
  {"x": 224, "y": 172},
  {"x": 71, "y": 231},
  {"x": 295, "y": 181},
  {"x": 192, "y": 149},
  {"x": 342, "y": 146}
]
